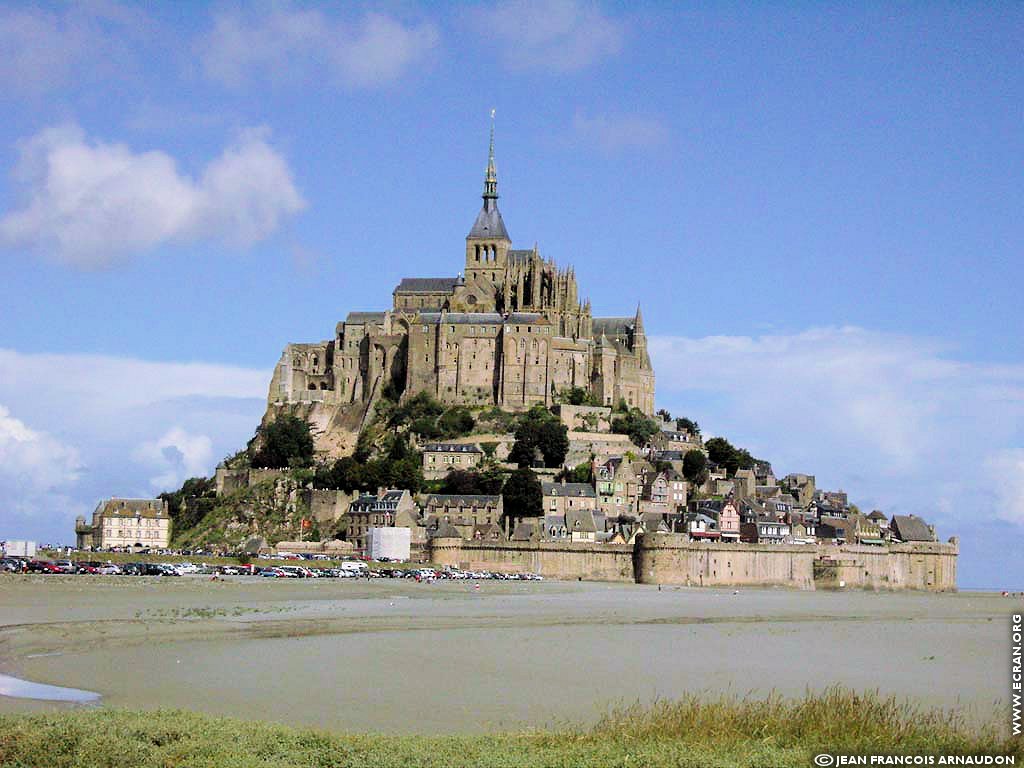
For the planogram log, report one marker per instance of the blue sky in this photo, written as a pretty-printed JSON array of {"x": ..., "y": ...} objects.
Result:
[{"x": 818, "y": 205}]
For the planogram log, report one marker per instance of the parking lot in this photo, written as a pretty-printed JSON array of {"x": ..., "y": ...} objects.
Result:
[{"x": 306, "y": 569}]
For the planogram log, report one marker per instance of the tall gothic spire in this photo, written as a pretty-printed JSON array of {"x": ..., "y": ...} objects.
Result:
[
  {"x": 488, "y": 224},
  {"x": 491, "y": 178}
]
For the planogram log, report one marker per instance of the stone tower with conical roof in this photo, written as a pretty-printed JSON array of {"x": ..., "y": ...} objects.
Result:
[{"x": 488, "y": 243}]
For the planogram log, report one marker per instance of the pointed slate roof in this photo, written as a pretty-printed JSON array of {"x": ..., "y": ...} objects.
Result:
[{"x": 489, "y": 224}]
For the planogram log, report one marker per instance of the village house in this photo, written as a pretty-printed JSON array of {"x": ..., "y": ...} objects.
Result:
[
  {"x": 910, "y": 528},
  {"x": 674, "y": 440},
  {"x": 488, "y": 532},
  {"x": 744, "y": 483},
  {"x": 118, "y": 522},
  {"x": 765, "y": 530},
  {"x": 664, "y": 492},
  {"x": 620, "y": 484},
  {"x": 561, "y": 498},
  {"x": 463, "y": 511},
  {"x": 702, "y": 527},
  {"x": 726, "y": 512},
  {"x": 673, "y": 458},
  {"x": 388, "y": 507},
  {"x": 799, "y": 486},
  {"x": 763, "y": 473},
  {"x": 878, "y": 518},
  {"x": 441, "y": 458}
]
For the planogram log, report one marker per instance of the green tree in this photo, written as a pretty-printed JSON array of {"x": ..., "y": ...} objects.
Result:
[
  {"x": 461, "y": 481},
  {"x": 578, "y": 396},
  {"x": 456, "y": 422},
  {"x": 539, "y": 431},
  {"x": 522, "y": 495},
  {"x": 581, "y": 473},
  {"x": 286, "y": 442},
  {"x": 723, "y": 453},
  {"x": 726, "y": 455},
  {"x": 663, "y": 415},
  {"x": 190, "y": 503},
  {"x": 634, "y": 423},
  {"x": 695, "y": 467},
  {"x": 688, "y": 425}
]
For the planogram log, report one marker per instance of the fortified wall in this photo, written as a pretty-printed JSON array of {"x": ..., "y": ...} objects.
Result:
[
  {"x": 664, "y": 558},
  {"x": 552, "y": 559}
]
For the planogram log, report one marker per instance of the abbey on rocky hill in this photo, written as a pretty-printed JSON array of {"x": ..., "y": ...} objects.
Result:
[{"x": 510, "y": 331}]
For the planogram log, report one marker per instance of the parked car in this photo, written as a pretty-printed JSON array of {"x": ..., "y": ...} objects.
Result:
[{"x": 43, "y": 566}]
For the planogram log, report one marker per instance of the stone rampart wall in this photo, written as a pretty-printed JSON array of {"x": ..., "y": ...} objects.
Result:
[
  {"x": 673, "y": 559},
  {"x": 553, "y": 560},
  {"x": 665, "y": 558},
  {"x": 917, "y": 565}
]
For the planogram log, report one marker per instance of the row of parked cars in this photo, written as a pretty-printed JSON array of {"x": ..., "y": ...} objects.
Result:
[{"x": 348, "y": 569}]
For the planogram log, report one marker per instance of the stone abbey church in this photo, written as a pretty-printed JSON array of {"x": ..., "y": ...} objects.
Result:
[{"x": 509, "y": 331}]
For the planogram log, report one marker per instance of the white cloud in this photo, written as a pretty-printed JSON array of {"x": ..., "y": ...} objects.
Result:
[
  {"x": 287, "y": 43},
  {"x": 554, "y": 35},
  {"x": 894, "y": 420},
  {"x": 90, "y": 203},
  {"x": 144, "y": 426},
  {"x": 615, "y": 132},
  {"x": 33, "y": 464},
  {"x": 44, "y": 49},
  {"x": 86, "y": 391},
  {"x": 176, "y": 456},
  {"x": 1006, "y": 474}
]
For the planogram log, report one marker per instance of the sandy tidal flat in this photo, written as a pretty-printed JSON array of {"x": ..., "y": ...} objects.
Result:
[{"x": 396, "y": 656}]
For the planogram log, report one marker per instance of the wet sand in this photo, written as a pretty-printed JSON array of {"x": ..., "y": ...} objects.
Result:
[{"x": 396, "y": 656}]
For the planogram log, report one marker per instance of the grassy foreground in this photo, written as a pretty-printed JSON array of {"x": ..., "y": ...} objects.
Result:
[{"x": 689, "y": 732}]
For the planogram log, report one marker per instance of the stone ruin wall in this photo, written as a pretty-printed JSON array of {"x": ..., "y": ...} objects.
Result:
[{"x": 672, "y": 559}]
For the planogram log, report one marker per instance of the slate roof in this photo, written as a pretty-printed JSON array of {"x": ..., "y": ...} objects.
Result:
[
  {"x": 527, "y": 318},
  {"x": 148, "y": 508},
  {"x": 580, "y": 521},
  {"x": 426, "y": 285},
  {"x": 611, "y": 325},
  {"x": 524, "y": 532},
  {"x": 462, "y": 499},
  {"x": 519, "y": 256},
  {"x": 488, "y": 531},
  {"x": 669, "y": 455},
  {"x": 911, "y": 528},
  {"x": 877, "y": 515},
  {"x": 365, "y": 317},
  {"x": 445, "y": 530},
  {"x": 585, "y": 490},
  {"x": 489, "y": 224},
  {"x": 461, "y": 318},
  {"x": 675, "y": 437},
  {"x": 452, "y": 448}
]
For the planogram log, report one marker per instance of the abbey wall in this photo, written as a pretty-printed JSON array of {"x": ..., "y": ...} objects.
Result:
[{"x": 672, "y": 559}]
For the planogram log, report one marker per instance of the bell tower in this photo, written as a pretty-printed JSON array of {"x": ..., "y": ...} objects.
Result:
[{"x": 487, "y": 243}]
